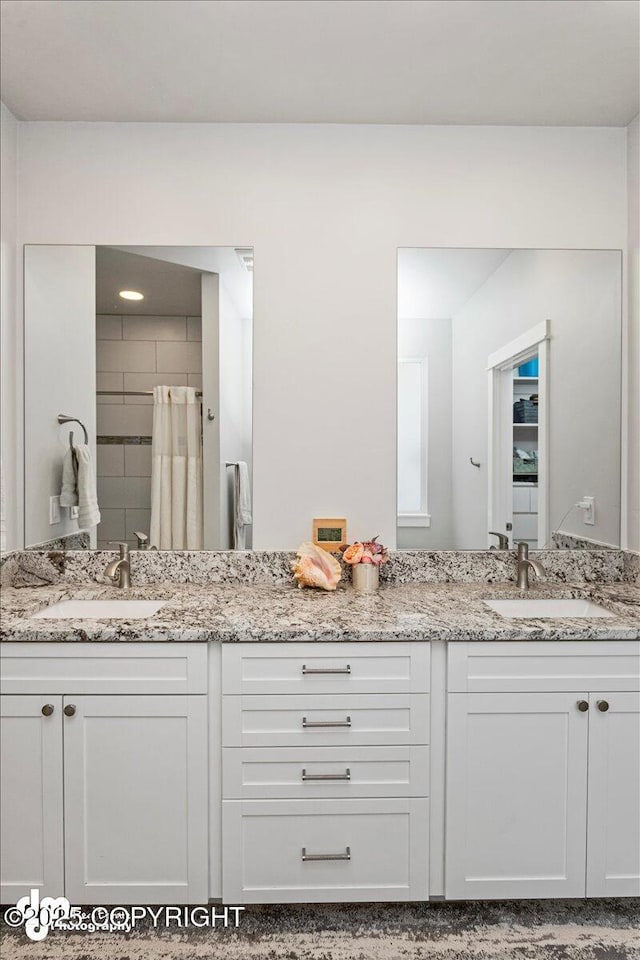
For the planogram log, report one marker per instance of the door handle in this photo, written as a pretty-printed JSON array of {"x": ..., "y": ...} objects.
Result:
[
  {"x": 310, "y": 671},
  {"x": 326, "y": 776},
  {"x": 47, "y": 709},
  {"x": 307, "y": 724},
  {"x": 69, "y": 710},
  {"x": 306, "y": 857}
]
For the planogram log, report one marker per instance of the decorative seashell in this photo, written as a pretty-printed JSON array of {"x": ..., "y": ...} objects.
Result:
[{"x": 316, "y": 568}]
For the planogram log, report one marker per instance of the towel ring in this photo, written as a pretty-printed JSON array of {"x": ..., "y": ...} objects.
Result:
[{"x": 63, "y": 418}]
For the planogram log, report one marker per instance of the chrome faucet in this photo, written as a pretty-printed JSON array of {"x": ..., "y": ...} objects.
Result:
[
  {"x": 503, "y": 540},
  {"x": 524, "y": 564},
  {"x": 119, "y": 571}
]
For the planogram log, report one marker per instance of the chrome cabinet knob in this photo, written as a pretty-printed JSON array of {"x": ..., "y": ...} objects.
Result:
[
  {"x": 47, "y": 710},
  {"x": 603, "y": 706},
  {"x": 70, "y": 710},
  {"x": 583, "y": 706}
]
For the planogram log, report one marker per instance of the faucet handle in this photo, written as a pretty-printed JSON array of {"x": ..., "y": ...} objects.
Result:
[
  {"x": 523, "y": 550},
  {"x": 503, "y": 540},
  {"x": 142, "y": 539},
  {"x": 124, "y": 548}
]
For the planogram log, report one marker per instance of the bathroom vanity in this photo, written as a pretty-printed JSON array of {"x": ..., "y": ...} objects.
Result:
[{"x": 261, "y": 744}]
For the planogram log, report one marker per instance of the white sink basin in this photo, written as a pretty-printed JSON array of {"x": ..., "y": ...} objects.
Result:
[
  {"x": 100, "y": 610},
  {"x": 547, "y": 608}
]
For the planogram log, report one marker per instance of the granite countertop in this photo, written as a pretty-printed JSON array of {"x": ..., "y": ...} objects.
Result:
[{"x": 264, "y": 612}]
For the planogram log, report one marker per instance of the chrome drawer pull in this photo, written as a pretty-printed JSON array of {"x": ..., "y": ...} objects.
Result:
[
  {"x": 326, "y": 776},
  {"x": 309, "y": 671},
  {"x": 326, "y": 856},
  {"x": 325, "y": 723}
]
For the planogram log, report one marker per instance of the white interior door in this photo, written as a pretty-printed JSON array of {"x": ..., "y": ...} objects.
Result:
[
  {"x": 31, "y": 796},
  {"x": 613, "y": 843},
  {"x": 135, "y": 772},
  {"x": 516, "y": 795}
]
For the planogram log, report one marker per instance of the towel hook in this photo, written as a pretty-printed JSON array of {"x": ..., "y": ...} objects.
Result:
[
  {"x": 473, "y": 463},
  {"x": 63, "y": 418}
]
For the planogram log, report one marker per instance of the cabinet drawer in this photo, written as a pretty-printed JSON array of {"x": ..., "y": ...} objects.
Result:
[
  {"x": 544, "y": 666},
  {"x": 315, "y": 851},
  {"x": 103, "y": 668},
  {"x": 363, "y": 719},
  {"x": 321, "y": 772},
  {"x": 258, "y": 668}
]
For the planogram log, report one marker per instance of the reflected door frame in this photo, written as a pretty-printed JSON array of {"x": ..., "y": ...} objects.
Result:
[{"x": 500, "y": 367}]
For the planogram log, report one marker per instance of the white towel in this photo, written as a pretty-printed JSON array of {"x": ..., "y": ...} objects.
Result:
[
  {"x": 69, "y": 491},
  {"x": 241, "y": 504},
  {"x": 79, "y": 488}
]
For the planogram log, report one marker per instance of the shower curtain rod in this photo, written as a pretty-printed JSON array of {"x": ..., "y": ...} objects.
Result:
[{"x": 131, "y": 393}]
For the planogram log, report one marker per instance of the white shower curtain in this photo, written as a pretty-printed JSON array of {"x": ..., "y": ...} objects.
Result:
[{"x": 176, "y": 471}]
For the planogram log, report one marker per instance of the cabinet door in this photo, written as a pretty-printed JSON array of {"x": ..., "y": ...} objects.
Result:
[
  {"x": 135, "y": 770},
  {"x": 516, "y": 795},
  {"x": 613, "y": 839},
  {"x": 31, "y": 796}
]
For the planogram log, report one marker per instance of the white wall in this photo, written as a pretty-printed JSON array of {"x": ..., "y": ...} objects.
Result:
[
  {"x": 235, "y": 404},
  {"x": 9, "y": 331},
  {"x": 325, "y": 208},
  {"x": 633, "y": 261},
  {"x": 579, "y": 292},
  {"x": 60, "y": 375},
  {"x": 432, "y": 339}
]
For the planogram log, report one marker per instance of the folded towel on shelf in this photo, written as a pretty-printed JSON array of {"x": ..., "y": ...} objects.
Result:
[
  {"x": 241, "y": 504},
  {"x": 69, "y": 491}
]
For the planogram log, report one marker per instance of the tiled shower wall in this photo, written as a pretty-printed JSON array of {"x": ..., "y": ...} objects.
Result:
[{"x": 136, "y": 353}]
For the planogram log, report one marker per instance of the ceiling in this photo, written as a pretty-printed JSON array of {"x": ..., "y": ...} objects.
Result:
[
  {"x": 169, "y": 277},
  {"x": 169, "y": 290},
  {"x": 433, "y": 284},
  {"x": 557, "y": 62}
]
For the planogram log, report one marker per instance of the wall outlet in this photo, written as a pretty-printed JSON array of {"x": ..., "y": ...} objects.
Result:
[
  {"x": 588, "y": 504},
  {"x": 54, "y": 510}
]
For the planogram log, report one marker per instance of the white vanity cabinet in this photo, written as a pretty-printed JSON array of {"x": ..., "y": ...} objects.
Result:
[
  {"x": 104, "y": 792},
  {"x": 325, "y": 772},
  {"x": 543, "y": 770}
]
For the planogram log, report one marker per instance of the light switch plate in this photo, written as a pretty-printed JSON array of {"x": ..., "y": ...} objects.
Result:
[
  {"x": 74, "y": 512},
  {"x": 54, "y": 510}
]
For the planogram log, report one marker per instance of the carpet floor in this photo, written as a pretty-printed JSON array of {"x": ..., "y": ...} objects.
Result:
[{"x": 526, "y": 930}]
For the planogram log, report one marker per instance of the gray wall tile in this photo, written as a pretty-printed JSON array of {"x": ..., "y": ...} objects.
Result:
[
  {"x": 154, "y": 328},
  {"x": 108, "y": 327},
  {"x": 130, "y": 355},
  {"x": 125, "y": 420},
  {"x": 111, "y": 526},
  {"x": 114, "y": 492},
  {"x": 179, "y": 356},
  {"x": 146, "y": 381},
  {"x": 194, "y": 328},
  {"x": 137, "y": 461},
  {"x": 110, "y": 460},
  {"x": 109, "y": 381}
]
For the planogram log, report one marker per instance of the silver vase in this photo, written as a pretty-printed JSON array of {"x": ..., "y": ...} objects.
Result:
[{"x": 366, "y": 577}]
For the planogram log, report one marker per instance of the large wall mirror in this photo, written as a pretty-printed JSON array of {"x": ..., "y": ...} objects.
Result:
[
  {"x": 148, "y": 352},
  {"x": 509, "y": 398}
]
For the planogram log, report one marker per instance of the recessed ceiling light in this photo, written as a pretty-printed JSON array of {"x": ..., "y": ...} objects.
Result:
[{"x": 131, "y": 295}]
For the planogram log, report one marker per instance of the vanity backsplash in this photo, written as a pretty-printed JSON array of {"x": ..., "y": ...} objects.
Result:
[{"x": 31, "y": 568}]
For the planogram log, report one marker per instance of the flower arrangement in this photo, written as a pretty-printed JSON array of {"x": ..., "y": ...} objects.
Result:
[{"x": 367, "y": 551}]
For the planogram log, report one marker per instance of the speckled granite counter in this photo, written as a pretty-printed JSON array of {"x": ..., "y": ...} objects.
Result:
[{"x": 267, "y": 612}]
